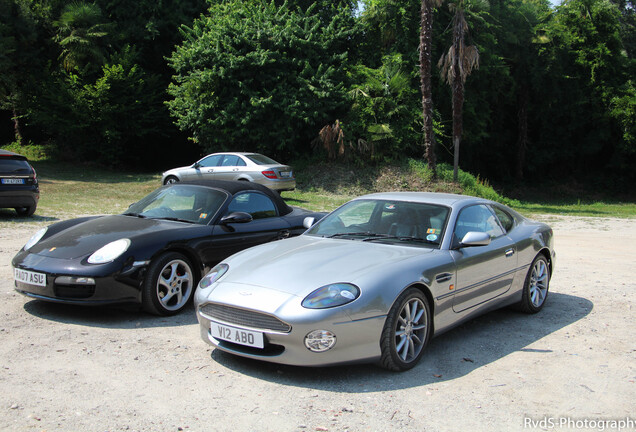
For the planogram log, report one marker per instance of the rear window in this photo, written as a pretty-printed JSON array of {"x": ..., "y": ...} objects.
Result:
[
  {"x": 14, "y": 166},
  {"x": 259, "y": 159}
]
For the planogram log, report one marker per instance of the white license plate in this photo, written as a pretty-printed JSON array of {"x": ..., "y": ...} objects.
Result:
[
  {"x": 29, "y": 277},
  {"x": 236, "y": 335},
  {"x": 285, "y": 174},
  {"x": 12, "y": 181}
]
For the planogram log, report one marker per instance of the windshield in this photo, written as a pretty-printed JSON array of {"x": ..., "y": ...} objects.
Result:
[
  {"x": 259, "y": 159},
  {"x": 185, "y": 203},
  {"x": 385, "y": 221}
]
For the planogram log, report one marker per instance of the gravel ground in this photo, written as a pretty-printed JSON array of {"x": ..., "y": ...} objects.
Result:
[{"x": 571, "y": 367}]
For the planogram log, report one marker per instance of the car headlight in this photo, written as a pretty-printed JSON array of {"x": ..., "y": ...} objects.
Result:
[
  {"x": 333, "y": 295},
  {"x": 109, "y": 252},
  {"x": 213, "y": 275},
  {"x": 35, "y": 238}
]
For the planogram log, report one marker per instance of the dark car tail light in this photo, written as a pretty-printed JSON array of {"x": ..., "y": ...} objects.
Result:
[{"x": 269, "y": 174}]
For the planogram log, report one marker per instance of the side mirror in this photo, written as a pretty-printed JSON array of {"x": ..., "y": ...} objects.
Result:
[
  {"x": 474, "y": 238},
  {"x": 196, "y": 165},
  {"x": 236, "y": 217},
  {"x": 309, "y": 221}
]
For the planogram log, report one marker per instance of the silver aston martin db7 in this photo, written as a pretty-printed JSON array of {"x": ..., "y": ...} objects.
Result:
[{"x": 375, "y": 280}]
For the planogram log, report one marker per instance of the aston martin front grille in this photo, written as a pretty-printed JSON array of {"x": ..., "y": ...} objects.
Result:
[{"x": 244, "y": 318}]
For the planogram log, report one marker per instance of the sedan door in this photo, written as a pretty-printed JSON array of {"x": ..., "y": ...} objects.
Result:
[
  {"x": 483, "y": 272},
  {"x": 203, "y": 169},
  {"x": 229, "y": 168}
]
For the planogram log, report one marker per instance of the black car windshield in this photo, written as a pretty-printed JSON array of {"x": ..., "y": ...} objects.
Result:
[
  {"x": 180, "y": 202},
  {"x": 395, "y": 222},
  {"x": 259, "y": 159}
]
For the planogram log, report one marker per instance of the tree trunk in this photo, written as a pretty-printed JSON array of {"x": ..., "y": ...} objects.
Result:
[
  {"x": 426, "y": 29},
  {"x": 16, "y": 126},
  {"x": 522, "y": 138},
  {"x": 458, "y": 90}
]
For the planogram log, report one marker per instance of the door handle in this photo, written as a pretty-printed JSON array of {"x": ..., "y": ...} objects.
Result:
[{"x": 510, "y": 252}]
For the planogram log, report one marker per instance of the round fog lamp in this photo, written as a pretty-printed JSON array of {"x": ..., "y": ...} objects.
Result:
[{"x": 320, "y": 340}]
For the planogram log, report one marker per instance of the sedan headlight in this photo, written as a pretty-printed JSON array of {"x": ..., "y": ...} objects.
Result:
[
  {"x": 35, "y": 238},
  {"x": 109, "y": 252},
  {"x": 213, "y": 275},
  {"x": 333, "y": 295}
]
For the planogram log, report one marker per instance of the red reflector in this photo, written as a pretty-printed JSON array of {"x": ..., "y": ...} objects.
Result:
[{"x": 269, "y": 174}]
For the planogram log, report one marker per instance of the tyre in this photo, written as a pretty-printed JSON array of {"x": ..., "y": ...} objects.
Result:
[
  {"x": 25, "y": 211},
  {"x": 535, "y": 287},
  {"x": 168, "y": 285},
  {"x": 406, "y": 331},
  {"x": 170, "y": 180}
]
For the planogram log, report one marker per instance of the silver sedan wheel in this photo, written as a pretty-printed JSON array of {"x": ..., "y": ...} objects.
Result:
[
  {"x": 174, "y": 285},
  {"x": 171, "y": 180},
  {"x": 539, "y": 280}
]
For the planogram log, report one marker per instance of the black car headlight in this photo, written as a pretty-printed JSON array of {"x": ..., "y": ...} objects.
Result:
[
  {"x": 331, "y": 295},
  {"x": 110, "y": 252},
  {"x": 35, "y": 238}
]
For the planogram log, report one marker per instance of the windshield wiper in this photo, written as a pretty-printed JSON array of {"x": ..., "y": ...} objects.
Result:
[
  {"x": 175, "y": 219},
  {"x": 355, "y": 233},
  {"x": 400, "y": 238},
  {"x": 135, "y": 215}
]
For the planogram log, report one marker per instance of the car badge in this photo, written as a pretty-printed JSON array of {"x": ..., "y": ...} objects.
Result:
[{"x": 53, "y": 248}]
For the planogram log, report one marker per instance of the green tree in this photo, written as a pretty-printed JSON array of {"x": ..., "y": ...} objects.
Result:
[
  {"x": 258, "y": 77},
  {"x": 81, "y": 30}
]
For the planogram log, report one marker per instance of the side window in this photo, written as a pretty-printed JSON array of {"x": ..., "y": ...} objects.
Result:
[
  {"x": 507, "y": 221},
  {"x": 232, "y": 160},
  {"x": 211, "y": 161},
  {"x": 477, "y": 218},
  {"x": 254, "y": 203}
]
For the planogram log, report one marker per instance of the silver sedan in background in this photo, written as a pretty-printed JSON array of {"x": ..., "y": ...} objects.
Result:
[
  {"x": 253, "y": 167},
  {"x": 375, "y": 280}
]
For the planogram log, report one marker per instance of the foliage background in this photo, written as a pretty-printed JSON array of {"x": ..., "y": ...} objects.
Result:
[{"x": 155, "y": 84}]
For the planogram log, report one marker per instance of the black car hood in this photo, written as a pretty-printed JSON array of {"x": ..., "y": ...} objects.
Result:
[{"x": 86, "y": 237}]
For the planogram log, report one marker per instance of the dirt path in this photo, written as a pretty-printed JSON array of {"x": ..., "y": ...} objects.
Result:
[{"x": 83, "y": 369}]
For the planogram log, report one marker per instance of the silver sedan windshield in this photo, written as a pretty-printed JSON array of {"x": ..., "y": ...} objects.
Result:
[{"x": 385, "y": 221}]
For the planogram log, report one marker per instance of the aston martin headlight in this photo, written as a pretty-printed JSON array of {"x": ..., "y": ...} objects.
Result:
[
  {"x": 35, "y": 238},
  {"x": 333, "y": 295},
  {"x": 213, "y": 275},
  {"x": 109, "y": 252}
]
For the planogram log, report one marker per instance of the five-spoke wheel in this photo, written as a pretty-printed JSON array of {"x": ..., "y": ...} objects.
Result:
[
  {"x": 169, "y": 284},
  {"x": 537, "y": 283}
]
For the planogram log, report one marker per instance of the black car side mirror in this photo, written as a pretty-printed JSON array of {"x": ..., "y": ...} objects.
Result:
[{"x": 236, "y": 217}]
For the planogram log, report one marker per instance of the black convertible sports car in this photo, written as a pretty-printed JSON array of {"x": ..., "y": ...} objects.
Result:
[{"x": 156, "y": 252}]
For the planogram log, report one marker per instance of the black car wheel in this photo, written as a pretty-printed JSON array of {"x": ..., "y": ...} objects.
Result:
[
  {"x": 171, "y": 180},
  {"x": 535, "y": 288},
  {"x": 406, "y": 331},
  {"x": 168, "y": 285},
  {"x": 25, "y": 211}
]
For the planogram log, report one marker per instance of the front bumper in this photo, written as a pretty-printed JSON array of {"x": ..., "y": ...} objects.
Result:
[
  {"x": 109, "y": 284},
  {"x": 357, "y": 341}
]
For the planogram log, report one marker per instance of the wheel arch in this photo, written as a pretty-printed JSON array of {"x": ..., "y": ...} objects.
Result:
[
  {"x": 429, "y": 297},
  {"x": 192, "y": 256}
]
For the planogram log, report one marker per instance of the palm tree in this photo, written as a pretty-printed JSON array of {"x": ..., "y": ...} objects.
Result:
[
  {"x": 426, "y": 36},
  {"x": 456, "y": 65},
  {"x": 80, "y": 29}
]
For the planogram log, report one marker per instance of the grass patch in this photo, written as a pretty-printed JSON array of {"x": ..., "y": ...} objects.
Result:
[{"x": 68, "y": 190}]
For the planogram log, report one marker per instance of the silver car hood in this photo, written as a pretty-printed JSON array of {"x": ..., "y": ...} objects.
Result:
[{"x": 302, "y": 264}]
